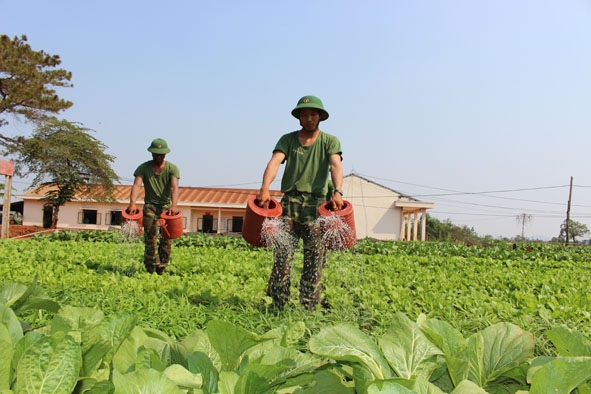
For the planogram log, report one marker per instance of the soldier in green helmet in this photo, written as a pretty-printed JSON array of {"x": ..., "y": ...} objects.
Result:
[
  {"x": 310, "y": 156},
  {"x": 160, "y": 179}
]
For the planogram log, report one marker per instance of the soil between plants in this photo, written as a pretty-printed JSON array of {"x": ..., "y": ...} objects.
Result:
[{"x": 15, "y": 230}]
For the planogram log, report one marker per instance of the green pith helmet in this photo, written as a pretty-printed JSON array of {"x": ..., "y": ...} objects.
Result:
[
  {"x": 159, "y": 146},
  {"x": 310, "y": 102}
]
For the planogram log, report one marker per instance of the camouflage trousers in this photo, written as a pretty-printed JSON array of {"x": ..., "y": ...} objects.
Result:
[
  {"x": 157, "y": 247},
  {"x": 304, "y": 208}
]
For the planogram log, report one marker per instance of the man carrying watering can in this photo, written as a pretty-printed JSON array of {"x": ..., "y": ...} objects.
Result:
[
  {"x": 160, "y": 179},
  {"x": 310, "y": 155}
]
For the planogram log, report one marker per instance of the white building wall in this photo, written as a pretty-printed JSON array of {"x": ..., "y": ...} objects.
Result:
[
  {"x": 33, "y": 213},
  {"x": 373, "y": 208},
  {"x": 377, "y": 211},
  {"x": 68, "y": 215}
]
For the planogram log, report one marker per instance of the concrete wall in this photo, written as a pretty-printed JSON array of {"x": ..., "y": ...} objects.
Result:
[
  {"x": 69, "y": 216},
  {"x": 373, "y": 207}
]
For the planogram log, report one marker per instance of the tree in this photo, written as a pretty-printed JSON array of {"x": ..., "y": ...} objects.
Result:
[
  {"x": 27, "y": 82},
  {"x": 65, "y": 159},
  {"x": 522, "y": 220},
  {"x": 446, "y": 231},
  {"x": 575, "y": 229},
  {"x": 2, "y": 186}
]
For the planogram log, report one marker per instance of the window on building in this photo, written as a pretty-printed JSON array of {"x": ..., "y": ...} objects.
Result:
[
  {"x": 207, "y": 224},
  {"x": 237, "y": 224},
  {"x": 89, "y": 216},
  {"x": 48, "y": 216},
  {"x": 114, "y": 218}
]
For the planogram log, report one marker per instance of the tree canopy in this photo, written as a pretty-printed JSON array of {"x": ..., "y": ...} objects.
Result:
[
  {"x": 575, "y": 229},
  {"x": 62, "y": 156},
  {"x": 65, "y": 159},
  {"x": 28, "y": 80},
  {"x": 446, "y": 231}
]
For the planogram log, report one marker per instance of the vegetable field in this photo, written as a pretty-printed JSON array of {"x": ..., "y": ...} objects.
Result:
[{"x": 396, "y": 318}]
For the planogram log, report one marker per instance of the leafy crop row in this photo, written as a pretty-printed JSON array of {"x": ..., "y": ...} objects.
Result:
[
  {"x": 83, "y": 351},
  {"x": 536, "y": 287}
]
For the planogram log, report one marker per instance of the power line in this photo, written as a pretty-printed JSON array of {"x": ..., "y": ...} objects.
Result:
[
  {"x": 508, "y": 216},
  {"x": 539, "y": 212},
  {"x": 512, "y": 199},
  {"x": 493, "y": 191},
  {"x": 485, "y": 193},
  {"x": 502, "y": 207},
  {"x": 462, "y": 192},
  {"x": 495, "y": 213}
]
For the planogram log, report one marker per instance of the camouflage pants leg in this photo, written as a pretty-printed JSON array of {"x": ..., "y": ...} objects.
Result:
[
  {"x": 157, "y": 248},
  {"x": 280, "y": 281},
  {"x": 164, "y": 249},
  {"x": 301, "y": 210},
  {"x": 314, "y": 252}
]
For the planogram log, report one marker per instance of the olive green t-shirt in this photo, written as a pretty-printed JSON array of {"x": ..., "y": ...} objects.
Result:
[
  {"x": 307, "y": 167},
  {"x": 157, "y": 186}
]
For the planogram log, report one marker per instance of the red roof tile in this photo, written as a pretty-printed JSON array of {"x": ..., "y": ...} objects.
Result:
[{"x": 209, "y": 195}]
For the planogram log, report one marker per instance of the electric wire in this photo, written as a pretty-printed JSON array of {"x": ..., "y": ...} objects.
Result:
[
  {"x": 473, "y": 210},
  {"x": 467, "y": 208}
]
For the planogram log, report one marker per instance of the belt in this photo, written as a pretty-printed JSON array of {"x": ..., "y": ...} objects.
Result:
[{"x": 296, "y": 193}]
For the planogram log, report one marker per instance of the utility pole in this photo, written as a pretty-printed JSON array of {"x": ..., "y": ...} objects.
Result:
[{"x": 570, "y": 195}]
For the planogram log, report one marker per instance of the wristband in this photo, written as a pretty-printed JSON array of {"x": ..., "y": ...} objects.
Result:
[{"x": 339, "y": 191}]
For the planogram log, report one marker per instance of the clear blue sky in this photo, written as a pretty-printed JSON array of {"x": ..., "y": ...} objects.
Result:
[{"x": 429, "y": 98}]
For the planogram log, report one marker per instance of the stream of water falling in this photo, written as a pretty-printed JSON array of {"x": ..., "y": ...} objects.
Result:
[
  {"x": 275, "y": 234},
  {"x": 130, "y": 230},
  {"x": 336, "y": 233},
  {"x": 126, "y": 256}
]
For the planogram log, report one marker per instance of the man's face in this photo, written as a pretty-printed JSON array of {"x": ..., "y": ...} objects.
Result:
[
  {"x": 158, "y": 158},
  {"x": 309, "y": 118}
]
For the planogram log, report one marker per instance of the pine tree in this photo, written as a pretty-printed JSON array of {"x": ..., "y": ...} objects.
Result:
[{"x": 28, "y": 80}]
